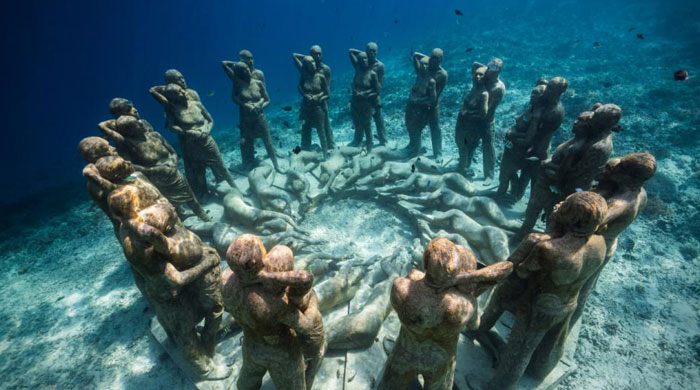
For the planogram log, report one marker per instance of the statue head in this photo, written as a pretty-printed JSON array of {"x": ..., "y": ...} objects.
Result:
[
  {"x": 555, "y": 88},
  {"x": 494, "y": 69},
  {"x": 279, "y": 259},
  {"x": 635, "y": 169},
  {"x": 93, "y": 148},
  {"x": 316, "y": 53},
  {"x": 121, "y": 106},
  {"x": 173, "y": 76},
  {"x": 424, "y": 65},
  {"x": 363, "y": 60},
  {"x": 246, "y": 256},
  {"x": 246, "y": 57},
  {"x": 125, "y": 202},
  {"x": 536, "y": 95},
  {"x": 600, "y": 118},
  {"x": 129, "y": 126},
  {"x": 581, "y": 214},
  {"x": 161, "y": 216},
  {"x": 175, "y": 94},
  {"x": 442, "y": 263},
  {"x": 478, "y": 73},
  {"x": 114, "y": 168},
  {"x": 308, "y": 64},
  {"x": 435, "y": 58},
  {"x": 468, "y": 260},
  {"x": 242, "y": 71},
  {"x": 371, "y": 49}
]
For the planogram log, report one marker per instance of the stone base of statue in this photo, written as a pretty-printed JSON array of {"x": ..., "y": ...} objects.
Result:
[{"x": 474, "y": 364}]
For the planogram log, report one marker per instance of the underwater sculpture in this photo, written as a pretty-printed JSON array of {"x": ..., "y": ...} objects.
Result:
[
  {"x": 241, "y": 212},
  {"x": 419, "y": 182},
  {"x": 423, "y": 103},
  {"x": 317, "y": 54},
  {"x": 192, "y": 123},
  {"x": 621, "y": 186},
  {"x": 528, "y": 141},
  {"x": 365, "y": 92},
  {"x": 152, "y": 155},
  {"x": 482, "y": 129},
  {"x": 251, "y": 96},
  {"x": 173, "y": 76},
  {"x": 256, "y": 299},
  {"x": 542, "y": 293},
  {"x": 473, "y": 112},
  {"x": 121, "y": 106},
  {"x": 314, "y": 90},
  {"x": 378, "y": 68},
  {"x": 246, "y": 57},
  {"x": 181, "y": 276},
  {"x": 574, "y": 164},
  {"x": 433, "y": 307}
]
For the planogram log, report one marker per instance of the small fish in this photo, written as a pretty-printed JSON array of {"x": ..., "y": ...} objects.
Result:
[
  {"x": 210, "y": 93},
  {"x": 297, "y": 149},
  {"x": 413, "y": 168},
  {"x": 396, "y": 21},
  {"x": 469, "y": 49},
  {"x": 596, "y": 44},
  {"x": 459, "y": 13},
  {"x": 630, "y": 29},
  {"x": 607, "y": 84},
  {"x": 640, "y": 36},
  {"x": 287, "y": 108},
  {"x": 286, "y": 124},
  {"x": 680, "y": 75}
]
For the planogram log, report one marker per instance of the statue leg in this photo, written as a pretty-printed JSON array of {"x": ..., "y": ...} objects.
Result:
[
  {"x": 251, "y": 375},
  {"x": 435, "y": 132},
  {"x": 506, "y": 173},
  {"x": 442, "y": 378},
  {"x": 314, "y": 353},
  {"x": 540, "y": 197},
  {"x": 267, "y": 141},
  {"x": 218, "y": 168},
  {"x": 211, "y": 300},
  {"x": 327, "y": 126},
  {"x": 415, "y": 121},
  {"x": 586, "y": 291},
  {"x": 367, "y": 129},
  {"x": 379, "y": 123},
  {"x": 397, "y": 376},
  {"x": 471, "y": 141},
  {"x": 550, "y": 350},
  {"x": 288, "y": 373},
  {"x": 306, "y": 134},
  {"x": 460, "y": 142},
  {"x": 247, "y": 151},
  {"x": 489, "y": 152},
  {"x": 196, "y": 175}
]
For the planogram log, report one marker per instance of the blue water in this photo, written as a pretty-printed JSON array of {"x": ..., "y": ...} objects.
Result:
[{"x": 62, "y": 62}]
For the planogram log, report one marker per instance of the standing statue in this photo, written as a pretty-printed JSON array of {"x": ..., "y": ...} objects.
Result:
[
  {"x": 260, "y": 303},
  {"x": 528, "y": 141},
  {"x": 419, "y": 108},
  {"x": 313, "y": 88},
  {"x": 251, "y": 96},
  {"x": 621, "y": 186},
  {"x": 152, "y": 155},
  {"x": 378, "y": 67},
  {"x": 317, "y": 54},
  {"x": 193, "y": 124},
  {"x": 181, "y": 276},
  {"x": 574, "y": 164},
  {"x": 472, "y": 115},
  {"x": 433, "y": 308},
  {"x": 543, "y": 292},
  {"x": 439, "y": 74},
  {"x": 496, "y": 90},
  {"x": 365, "y": 92}
]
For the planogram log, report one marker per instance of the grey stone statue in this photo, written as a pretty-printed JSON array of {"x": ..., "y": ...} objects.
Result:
[
  {"x": 365, "y": 92},
  {"x": 378, "y": 67},
  {"x": 313, "y": 87}
]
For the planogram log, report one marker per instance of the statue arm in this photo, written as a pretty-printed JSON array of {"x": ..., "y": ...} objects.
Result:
[
  {"x": 433, "y": 92},
  {"x": 265, "y": 98},
  {"x": 106, "y": 128},
  {"x": 441, "y": 83},
  {"x": 228, "y": 68},
  {"x": 179, "y": 279},
  {"x": 155, "y": 237},
  {"x": 417, "y": 57},
  {"x": 380, "y": 74},
  {"x": 157, "y": 94},
  {"x": 326, "y": 93},
  {"x": 296, "y": 57},
  {"x": 353, "y": 57},
  {"x": 210, "y": 120},
  {"x": 90, "y": 172},
  {"x": 477, "y": 282}
]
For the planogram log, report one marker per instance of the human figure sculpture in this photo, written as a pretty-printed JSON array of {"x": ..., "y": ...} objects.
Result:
[
  {"x": 241, "y": 211},
  {"x": 92, "y": 149},
  {"x": 261, "y": 181},
  {"x": 361, "y": 166},
  {"x": 251, "y": 96},
  {"x": 192, "y": 123},
  {"x": 433, "y": 307},
  {"x": 173, "y": 76},
  {"x": 484, "y": 133},
  {"x": 152, "y": 155},
  {"x": 378, "y": 67},
  {"x": 365, "y": 92},
  {"x": 269, "y": 342},
  {"x": 574, "y": 164},
  {"x": 317, "y": 53},
  {"x": 549, "y": 273},
  {"x": 180, "y": 276},
  {"x": 528, "y": 142},
  {"x": 120, "y": 106},
  {"x": 472, "y": 116},
  {"x": 419, "y": 182},
  {"x": 313, "y": 88},
  {"x": 246, "y": 57},
  {"x": 621, "y": 186},
  {"x": 419, "y": 109}
]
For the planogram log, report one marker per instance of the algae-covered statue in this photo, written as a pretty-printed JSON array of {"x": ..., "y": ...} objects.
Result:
[
  {"x": 621, "y": 186},
  {"x": 472, "y": 114},
  {"x": 528, "y": 141},
  {"x": 365, "y": 92},
  {"x": 251, "y": 96},
  {"x": 181, "y": 276},
  {"x": 574, "y": 164},
  {"x": 313, "y": 88},
  {"x": 152, "y": 155},
  {"x": 484, "y": 133},
  {"x": 378, "y": 67},
  {"x": 192, "y": 123},
  {"x": 549, "y": 271},
  {"x": 433, "y": 307},
  {"x": 419, "y": 109},
  {"x": 271, "y": 316}
]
